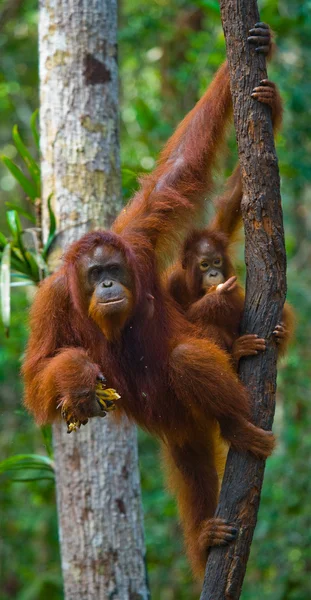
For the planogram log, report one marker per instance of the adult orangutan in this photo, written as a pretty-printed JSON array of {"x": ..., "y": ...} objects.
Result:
[
  {"x": 104, "y": 316},
  {"x": 204, "y": 284}
]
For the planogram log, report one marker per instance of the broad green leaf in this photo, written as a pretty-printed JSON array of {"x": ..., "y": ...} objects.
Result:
[
  {"x": 5, "y": 290},
  {"x": 52, "y": 230},
  {"x": 34, "y": 129},
  {"x": 22, "y": 461},
  {"x": 21, "y": 211},
  {"x": 30, "y": 163},
  {"x": 25, "y": 463},
  {"x": 29, "y": 188}
]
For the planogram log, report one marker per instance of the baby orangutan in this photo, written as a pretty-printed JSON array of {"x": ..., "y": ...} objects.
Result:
[{"x": 204, "y": 284}]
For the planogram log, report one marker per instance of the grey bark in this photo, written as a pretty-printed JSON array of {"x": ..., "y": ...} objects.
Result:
[
  {"x": 98, "y": 488},
  {"x": 265, "y": 292}
]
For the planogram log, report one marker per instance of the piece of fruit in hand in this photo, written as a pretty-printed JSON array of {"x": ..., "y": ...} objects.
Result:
[{"x": 106, "y": 397}]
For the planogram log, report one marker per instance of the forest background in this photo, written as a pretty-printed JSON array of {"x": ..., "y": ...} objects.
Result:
[{"x": 168, "y": 53}]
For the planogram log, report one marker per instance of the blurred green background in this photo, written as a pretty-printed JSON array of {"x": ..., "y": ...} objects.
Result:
[{"x": 180, "y": 46}]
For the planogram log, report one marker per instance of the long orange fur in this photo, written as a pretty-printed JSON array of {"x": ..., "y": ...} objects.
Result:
[{"x": 174, "y": 384}]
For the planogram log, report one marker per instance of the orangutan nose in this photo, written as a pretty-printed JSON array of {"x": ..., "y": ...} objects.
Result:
[{"x": 107, "y": 283}]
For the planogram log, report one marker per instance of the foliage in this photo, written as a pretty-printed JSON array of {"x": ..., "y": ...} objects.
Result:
[
  {"x": 29, "y": 553},
  {"x": 180, "y": 46},
  {"x": 42, "y": 465},
  {"x": 28, "y": 264},
  {"x": 27, "y": 258}
]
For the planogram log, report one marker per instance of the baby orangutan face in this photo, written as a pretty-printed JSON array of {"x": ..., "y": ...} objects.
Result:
[
  {"x": 107, "y": 283},
  {"x": 209, "y": 265}
]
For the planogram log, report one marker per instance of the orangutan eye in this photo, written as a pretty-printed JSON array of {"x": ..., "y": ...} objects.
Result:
[
  {"x": 204, "y": 265},
  {"x": 113, "y": 270},
  {"x": 217, "y": 262},
  {"x": 95, "y": 272}
]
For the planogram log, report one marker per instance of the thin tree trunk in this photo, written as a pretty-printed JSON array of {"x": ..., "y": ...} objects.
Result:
[
  {"x": 98, "y": 488},
  {"x": 265, "y": 292}
]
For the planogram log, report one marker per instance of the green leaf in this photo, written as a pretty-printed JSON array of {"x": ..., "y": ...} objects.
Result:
[
  {"x": 35, "y": 252},
  {"x": 52, "y": 217},
  {"x": 19, "y": 265},
  {"x": 34, "y": 129},
  {"x": 5, "y": 290},
  {"x": 19, "y": 258},
  {"x": 16, "y": 253},
  {"x": 27, "y": 463},
  {"x": 25, "y": 261},
  {"x": 3, "y": 241},
  {"x": 20, "y": 462},
  {"x": 52, "y": 230},
  {"x": 30, "y": 163},
  {"x": 35, "y": 268},
  {"x": 16, "y": 230},
  {"x": 21, "y": 211},
  {"x": 10, "y": 217},
  {"x": 28, "y": 187},
  {"x": 20, "y": 276},
  {"x": 21, "y": 283}
]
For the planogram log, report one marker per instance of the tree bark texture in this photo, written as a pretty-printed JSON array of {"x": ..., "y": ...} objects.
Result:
[
  {"x": 98, "y": 488},
  {"x": 265, "y": 292}
]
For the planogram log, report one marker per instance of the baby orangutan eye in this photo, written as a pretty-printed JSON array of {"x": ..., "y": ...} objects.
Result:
[
  {"x": 204, "y": 265},
  {"x": 217, "y": 262}
]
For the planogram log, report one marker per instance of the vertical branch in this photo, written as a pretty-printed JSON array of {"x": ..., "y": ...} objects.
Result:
[
  {"x": 98, "y": 488},
  {"x": 265, "y": 292}
]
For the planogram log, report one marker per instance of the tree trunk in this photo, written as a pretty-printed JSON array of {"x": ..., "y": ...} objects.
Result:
[
  {"x": 98, "y": 488},
  {"x": 265, "y": 292}
]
